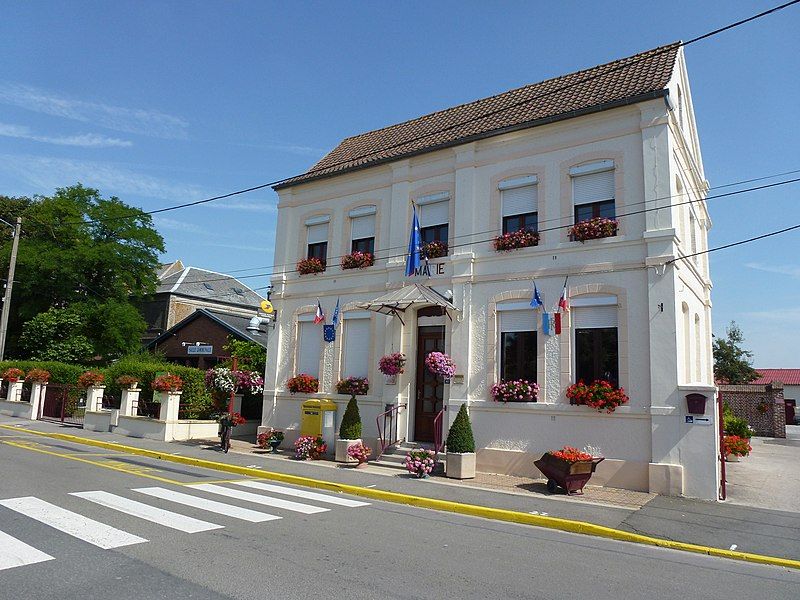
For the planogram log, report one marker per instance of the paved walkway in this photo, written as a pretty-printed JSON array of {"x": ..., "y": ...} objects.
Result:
[{"x": 770, "y": 476}]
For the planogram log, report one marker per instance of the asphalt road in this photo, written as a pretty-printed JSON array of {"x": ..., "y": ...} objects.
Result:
[{"x": 143, "y": 529}]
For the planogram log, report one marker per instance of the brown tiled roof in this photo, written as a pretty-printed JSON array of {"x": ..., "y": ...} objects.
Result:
[{"x": 620, "y": 82}]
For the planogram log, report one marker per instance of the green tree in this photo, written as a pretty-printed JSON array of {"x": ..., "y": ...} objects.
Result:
[
  {"x": 732, "y": 363},
  {"x": 350, "y": 429},
  {"x": 250, "y": 356},
  {"x": 78, "y": 249},
  {"x": 460, "y": 439},
  {"x": 57, "y": 334}
]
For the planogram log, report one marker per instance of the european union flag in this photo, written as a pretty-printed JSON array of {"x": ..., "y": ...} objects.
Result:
[
  {"x": 335, "y": 319},
  {"x": 536, "y": 300},
  {"x": 414, "y": 246}
]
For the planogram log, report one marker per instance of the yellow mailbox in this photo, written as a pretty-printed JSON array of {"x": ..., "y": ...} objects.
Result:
[{"x": 318, "y": 417}]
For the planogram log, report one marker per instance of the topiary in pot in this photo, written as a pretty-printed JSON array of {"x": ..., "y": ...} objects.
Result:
[
  {"x": 461, "y": 447},
  {"x": 349, "y": 431}
]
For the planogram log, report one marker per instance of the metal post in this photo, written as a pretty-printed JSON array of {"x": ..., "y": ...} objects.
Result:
[
  {"x": 234, "y": 367},
  {"x": 9, "y": 284}
]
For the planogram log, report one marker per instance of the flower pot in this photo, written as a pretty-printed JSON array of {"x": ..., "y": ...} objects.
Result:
[
  {"x": 460, "y": 466},
  {"x": 731, "y": 458},
  {"x": 341, "y": 451},
  {"x": 696, "y": 404},
  {"x": 361, "y": 465},
  {"x": 390, "y": 379},
  {"x": 274, "y": 445}
]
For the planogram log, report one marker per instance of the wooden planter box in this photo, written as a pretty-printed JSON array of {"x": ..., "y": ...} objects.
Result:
[{"x": 570, "y": 476}]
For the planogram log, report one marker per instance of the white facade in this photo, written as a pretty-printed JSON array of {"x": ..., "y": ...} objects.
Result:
[{"x": 647, "y": 154}]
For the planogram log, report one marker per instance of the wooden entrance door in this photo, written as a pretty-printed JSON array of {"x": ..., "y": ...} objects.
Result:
[{"x": 430, "y": 387}]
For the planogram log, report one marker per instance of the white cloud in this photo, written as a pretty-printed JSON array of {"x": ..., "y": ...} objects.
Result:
[
  {"x": 43, "y": 174},
  {"x": 119, "y": 118},
  {"x": 782, "y": 315},
  {"x": 178, "y": 225},
  {"x": 85, "y": 140},
  {"x": 252, "y": 206},
  {"x": 790, "y": 270}
]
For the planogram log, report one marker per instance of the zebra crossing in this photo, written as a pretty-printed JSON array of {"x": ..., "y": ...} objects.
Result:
[{"x": 16, "y": 553}]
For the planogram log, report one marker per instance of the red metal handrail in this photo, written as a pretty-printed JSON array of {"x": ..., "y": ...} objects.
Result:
[
  {"x": 387, "y": 436},
  {"x": 438, "y": 430}
]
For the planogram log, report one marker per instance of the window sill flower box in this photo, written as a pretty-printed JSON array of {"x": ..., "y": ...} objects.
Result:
[
  {"x": 517, "y": 390},
  {"x": 353, "y": 386},
  {"x": 310, "y": 266},
  {"x": 599, "y": 394},
  {"x": 568, "y": 468},
  {"x": 434, "y": 249},
  {"x": 358, "y": 260},
  {"x": 514, "y": 240},
  {"x": 593, "y": 229},
  {"x": 303, "y": 384}
]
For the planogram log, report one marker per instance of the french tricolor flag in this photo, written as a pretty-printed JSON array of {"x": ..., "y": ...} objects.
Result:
[{"x": 319, "y": 317}]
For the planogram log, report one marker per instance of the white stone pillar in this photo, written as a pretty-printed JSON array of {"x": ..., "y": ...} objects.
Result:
[
  {"x": 130, "y": 402},
  {"x": 38, "y": 390},
  {"x": 14, "y": 391},
  {"x": 170, "y": 402},
  {"x": 94, "y": 397}
]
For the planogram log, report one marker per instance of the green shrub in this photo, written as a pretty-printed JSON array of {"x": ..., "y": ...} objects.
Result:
[
  {"x": 460, "y": 438},
  {"x": 59, "y": 372},
  {"x": 736, "y": 426},
  {"x": 350, "y": 429}
]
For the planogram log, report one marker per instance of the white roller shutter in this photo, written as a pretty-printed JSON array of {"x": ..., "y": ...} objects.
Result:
[
  {"x": 309, "y": 346},
  {"x": 518, "y": 320},
  {"x": 356, "y": 348},
  {"x": 594, "y": 317},
  {"x": 362, "y": 227},
  {"x": 317, "y": 233},
  {"x": 437, "y": 213},
  {"x": 520, "y": 200},
  {"x": 593, "y": 187}
]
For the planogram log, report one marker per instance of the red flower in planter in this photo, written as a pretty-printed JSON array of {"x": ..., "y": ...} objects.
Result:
[
  {"x": 303, "y": 383},
  {"x": 513, "y": 240},
  {"x": 570, "y": 454},
  {"x": 738, "y": 446},
  {"x": 308, "y": 266},
  {"x": 90, "y": 378},
  {"x": 593, "y": 229},
  {"x": 599, "y": 394},
  {"x": 358, "y": 260},
  {"x": 434, "y": 249}
]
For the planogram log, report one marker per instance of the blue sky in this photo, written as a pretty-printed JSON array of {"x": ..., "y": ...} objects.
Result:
[{"x": 167, "y": 102}]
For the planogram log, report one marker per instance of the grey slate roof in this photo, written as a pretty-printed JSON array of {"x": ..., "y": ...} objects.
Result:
[{"x": 208, "y": 285}]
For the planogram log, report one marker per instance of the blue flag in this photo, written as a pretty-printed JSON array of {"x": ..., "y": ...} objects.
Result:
[
  {"x": 546, "y": 323},
  {"x": 335, "y": 318},
  {"x": 414, "y": 246},
  {"x": 536, "y": 300}
]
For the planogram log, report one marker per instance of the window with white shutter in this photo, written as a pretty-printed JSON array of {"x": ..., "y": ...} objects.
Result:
[
  {"x": 596, "y": 341},
  {"x": 517, "y": 342},
  {"x": 317, "y": 240},
  {"x": 519, "y": 199},
  {"x": 356, "y": 346},
  {"x": 434, "y": 219},
  {"x": 593, "y": 190},
  {"x": 362, "y": 230},
  {"x": 309, "y": 347}
]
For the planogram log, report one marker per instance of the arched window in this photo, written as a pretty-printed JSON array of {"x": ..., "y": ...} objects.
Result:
[
  {"x": 309, "y": 345},
  {"x": 355, "y": 358},
  {"x": 687, "y": 344},
  {"x": 596, "y": 342},
  {"x": 698, "y": 349},
  {"x": 517, "y": 343},
  {"x": 362, "y": 229},
  {"x": 593, "y": 190}
]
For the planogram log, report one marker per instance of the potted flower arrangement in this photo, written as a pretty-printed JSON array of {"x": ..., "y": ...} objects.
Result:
[
  {"x": 516, "y": 390},
  {"x": 90, "y": 379},
  {"x": 599, "y": 394},
  {"x": 513, "y": 240},
  {"x": 355, "y": 386},
  {"x": 359, "y": 453},
  {"x": 220, "y": 379},
  {"x": 38, "y": 376},
  {"x": 593, "y": 229},
  {"x": 461, "y": 447},
  {"x": 309, "y": 447},
  {"x": 249, "y": 381},
  {"x": 568, "y": 468},
  {"x": 420, "y": 462},
  {"x": 127, "y": 382},
  {"x": 13, "y": 374},
  {"x": 434, "y": 249},
  {"x": 303, "y": 384},
  {"x": 272, "y": 438},
  {"x": 391, "y": 365},
  {"x": 167, "y": 383},
  {"x": 349, "y": 431},
  {"x": 736, "y": 447},
  {"x": 309, "y": 266},
  {"x": 358, "y": 260},
  {"x": 440, "y": 363}
]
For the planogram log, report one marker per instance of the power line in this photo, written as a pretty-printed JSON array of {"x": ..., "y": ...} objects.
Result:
[
  {"x": 624, "y": 65},
  {"x": 739, "y": 243}
]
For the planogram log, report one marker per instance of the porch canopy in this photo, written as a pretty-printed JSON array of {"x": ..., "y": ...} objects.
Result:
[{"x": 397, "y": 302}]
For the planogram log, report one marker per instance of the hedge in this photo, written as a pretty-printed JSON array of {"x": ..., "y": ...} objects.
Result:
[{"x": 59, "y": 372}]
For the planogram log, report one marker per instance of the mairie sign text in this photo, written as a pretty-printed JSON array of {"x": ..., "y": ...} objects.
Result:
[{"x": 428, "y": 270}]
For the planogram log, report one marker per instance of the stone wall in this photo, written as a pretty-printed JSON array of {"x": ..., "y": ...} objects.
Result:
[{"x": 760, "y": 405}]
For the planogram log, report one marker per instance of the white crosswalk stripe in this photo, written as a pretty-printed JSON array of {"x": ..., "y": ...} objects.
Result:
[
  {"x": 14, "y": 553},
  {"x": 228, "y": 510},
  {"x": 96, "y": 533},
  {"x": 147, "y": 512},
  {"x": 306, "y": 509},
  {"x": 287, "y": 491}
]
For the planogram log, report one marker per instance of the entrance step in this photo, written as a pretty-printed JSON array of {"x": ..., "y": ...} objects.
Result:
[{"x": 394, "y": 457}]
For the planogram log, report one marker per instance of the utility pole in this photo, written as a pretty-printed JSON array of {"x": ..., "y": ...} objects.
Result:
[{"x": 9, "y": 285}]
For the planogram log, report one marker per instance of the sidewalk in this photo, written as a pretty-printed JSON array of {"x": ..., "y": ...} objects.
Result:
[{"x": 721, "y": 525}]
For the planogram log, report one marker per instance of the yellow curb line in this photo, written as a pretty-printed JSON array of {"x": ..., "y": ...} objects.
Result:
[{"x": 496, "y": 514}]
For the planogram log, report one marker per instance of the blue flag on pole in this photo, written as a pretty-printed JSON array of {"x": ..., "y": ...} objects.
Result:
[
  {"x": 414, "y": 246},
  {"x": 335, "y": 318},
  {"x": 546, "y": 323},
  {"x": 536, "y": 300}
]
